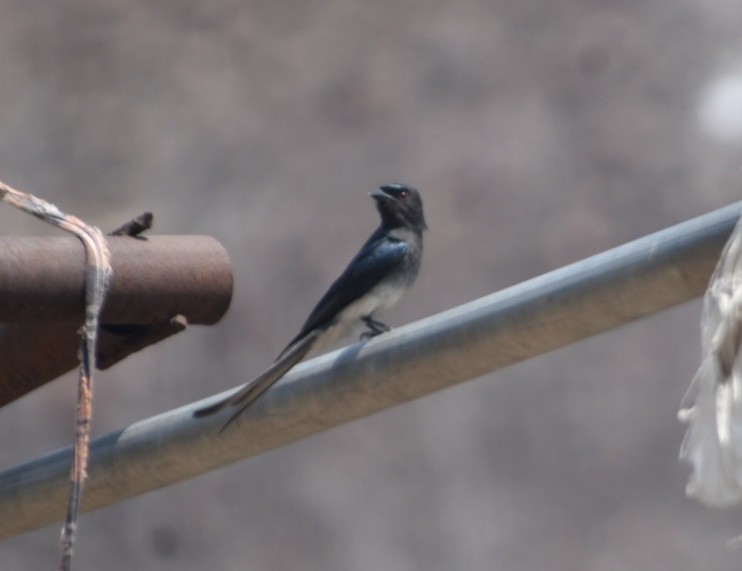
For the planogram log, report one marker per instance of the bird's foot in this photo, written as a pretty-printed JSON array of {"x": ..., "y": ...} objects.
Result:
[{"x": 374, "y": 328}]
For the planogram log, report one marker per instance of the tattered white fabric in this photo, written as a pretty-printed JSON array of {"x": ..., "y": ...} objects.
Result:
[{"x": 713, "y": 405}]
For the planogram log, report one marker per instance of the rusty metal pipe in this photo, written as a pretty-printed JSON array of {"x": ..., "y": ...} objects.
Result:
[
  {"x": 42, "y": 279},
  {"x": 159, "y": 285}
]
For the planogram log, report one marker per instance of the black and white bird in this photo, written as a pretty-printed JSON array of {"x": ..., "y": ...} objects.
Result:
[{"x": 375, "y": 279}]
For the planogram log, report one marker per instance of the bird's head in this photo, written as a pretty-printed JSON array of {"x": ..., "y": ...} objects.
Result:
[{"x": 399, "y": 205}]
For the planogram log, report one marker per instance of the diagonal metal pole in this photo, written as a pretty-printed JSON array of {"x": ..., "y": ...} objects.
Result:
[{"x": 558, "y": 308}]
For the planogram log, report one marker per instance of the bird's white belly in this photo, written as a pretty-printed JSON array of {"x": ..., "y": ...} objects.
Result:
[{"x": 381, "y": 297}]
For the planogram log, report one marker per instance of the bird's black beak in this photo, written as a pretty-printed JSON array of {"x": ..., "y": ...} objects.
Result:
[{"x": 379, "y": 195}]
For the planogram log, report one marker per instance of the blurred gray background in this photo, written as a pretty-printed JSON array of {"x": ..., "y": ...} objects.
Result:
[{"x": 539, "y": 132}]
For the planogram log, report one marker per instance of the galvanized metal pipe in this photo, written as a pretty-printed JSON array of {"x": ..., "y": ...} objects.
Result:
[{"x": 553, "y": 310}]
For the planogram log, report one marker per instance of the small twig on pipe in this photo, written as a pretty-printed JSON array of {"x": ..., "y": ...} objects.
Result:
[
  {"x": 135, "y": 226},
  {"x": 97, "y": 276}
]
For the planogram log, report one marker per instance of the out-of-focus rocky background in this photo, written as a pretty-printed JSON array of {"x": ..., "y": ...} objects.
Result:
[{"x": 540, "y": 132}]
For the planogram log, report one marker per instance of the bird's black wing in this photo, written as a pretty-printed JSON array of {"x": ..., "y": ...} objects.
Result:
[{"x": 379, "y": 256}]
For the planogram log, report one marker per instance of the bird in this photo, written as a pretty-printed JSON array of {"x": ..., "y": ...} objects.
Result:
[{"x": 377, "y": 277}]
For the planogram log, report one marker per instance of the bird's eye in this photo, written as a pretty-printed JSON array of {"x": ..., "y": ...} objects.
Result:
[{"x": 404, "y": 194}]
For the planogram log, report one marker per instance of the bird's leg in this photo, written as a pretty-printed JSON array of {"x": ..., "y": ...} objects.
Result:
[{"x": 374, "y": 328}]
